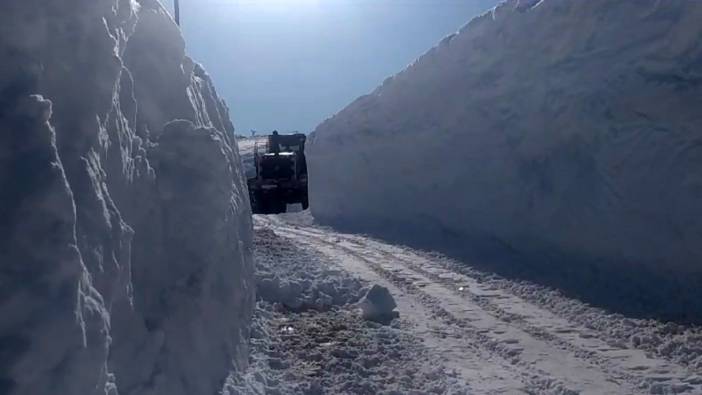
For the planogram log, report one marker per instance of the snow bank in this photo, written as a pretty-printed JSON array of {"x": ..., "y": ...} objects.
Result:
[
  {"x": 125, "y": 246},
  {"x": 567, "y": 133}
]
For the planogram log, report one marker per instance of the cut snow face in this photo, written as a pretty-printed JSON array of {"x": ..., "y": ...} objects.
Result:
[
  {"x": 125, "y": 226},
  {"x": 557, "y": 141}
]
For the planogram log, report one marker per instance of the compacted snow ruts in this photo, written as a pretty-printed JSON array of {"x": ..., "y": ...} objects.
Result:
[{"x": 501, "y": 336}]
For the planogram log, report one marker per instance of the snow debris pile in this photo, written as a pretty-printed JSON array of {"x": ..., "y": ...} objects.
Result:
[
  {"x": 378, "y": 305},
  {"x": 125, "y": 246},
  {"x": 285, "y": 274},
  {"x": 567, "y": 133}
]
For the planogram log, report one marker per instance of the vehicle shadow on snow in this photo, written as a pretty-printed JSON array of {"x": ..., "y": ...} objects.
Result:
[{"x": 608, "y": 284}]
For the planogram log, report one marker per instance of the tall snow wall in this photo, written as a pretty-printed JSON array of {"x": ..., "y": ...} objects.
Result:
[
  {"x": 125, "y": 226},
  {"x": 559, "y": 140}
]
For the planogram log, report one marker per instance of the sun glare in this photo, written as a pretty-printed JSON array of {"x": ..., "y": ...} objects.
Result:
[{"x": 281, "y": 3}]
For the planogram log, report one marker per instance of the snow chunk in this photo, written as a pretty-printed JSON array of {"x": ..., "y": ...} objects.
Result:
[{"x": 378, "y": 305}]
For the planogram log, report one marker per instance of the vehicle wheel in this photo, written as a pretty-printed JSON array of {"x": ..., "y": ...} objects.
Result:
[
  {"x": 255, "y": 199},
  {"x": 264, "y": 204},
  {"x": 281, "y": 207},
  {"x": 305, "y": 203}
]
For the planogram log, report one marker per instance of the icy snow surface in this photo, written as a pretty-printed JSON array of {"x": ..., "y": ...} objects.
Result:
[
  {"x": 125, "y": 228},
  {"x": 460, "y": 330},
  {"x": 554, "y": 140}
]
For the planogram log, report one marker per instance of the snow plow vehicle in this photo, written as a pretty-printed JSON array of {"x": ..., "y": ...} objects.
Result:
[{"x": 281, "y": 174}]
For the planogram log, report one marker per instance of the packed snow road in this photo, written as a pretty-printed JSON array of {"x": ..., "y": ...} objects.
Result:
[{"x": 492, "y": 334}]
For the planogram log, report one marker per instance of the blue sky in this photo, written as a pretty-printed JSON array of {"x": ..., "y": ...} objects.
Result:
[{"x": 290, "y": 64}]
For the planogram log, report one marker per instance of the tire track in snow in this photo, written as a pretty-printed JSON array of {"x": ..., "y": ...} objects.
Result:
[
  {"x": 533, "y": 380},
  {"x": 633, "y": 365},
  {"x": 536, "y": 371},
  {"x": 517, "y": 300},
  {"x": 629, "y": 367}
]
